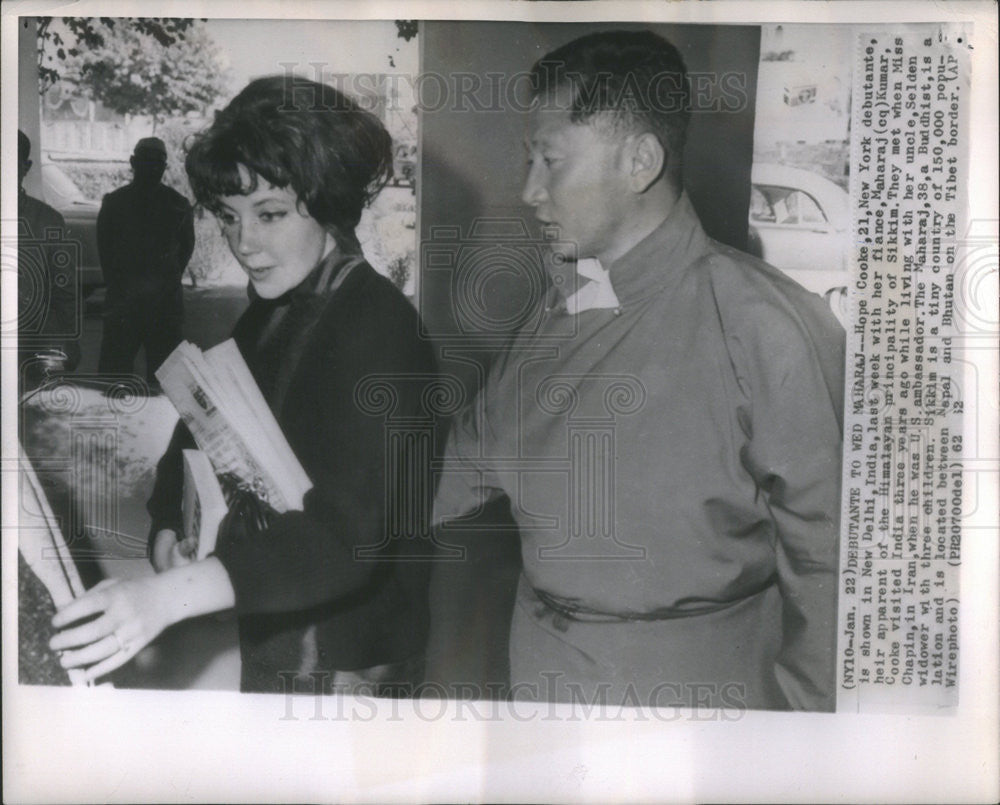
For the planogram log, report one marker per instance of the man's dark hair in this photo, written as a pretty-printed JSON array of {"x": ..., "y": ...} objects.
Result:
[
  {"x": 297, "y": 134},
  {"x": 149, "y": 161},
  {"x": 636, "y": 79}
]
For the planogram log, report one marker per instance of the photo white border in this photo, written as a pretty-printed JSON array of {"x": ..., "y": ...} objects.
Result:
[{"x": 127, "y": 746}]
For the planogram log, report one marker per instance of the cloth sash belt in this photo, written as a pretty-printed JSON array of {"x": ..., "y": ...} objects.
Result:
[{"x": 572, "y": 609}]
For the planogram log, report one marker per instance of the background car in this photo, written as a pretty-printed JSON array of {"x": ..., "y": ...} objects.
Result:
[
  {"x": 80, "y": 212},
  {"x": 799, "y": 223},
  {"x": 404, "y": 165}
]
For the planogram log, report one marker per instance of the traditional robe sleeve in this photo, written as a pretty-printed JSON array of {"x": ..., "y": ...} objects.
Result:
[
  {"x": 792, "y": 366},
  {"x": 467, "y": 482}
]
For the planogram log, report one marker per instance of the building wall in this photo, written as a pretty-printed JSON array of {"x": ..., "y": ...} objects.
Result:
[
  {"x": 472, "y": 161},
  {"x": 28, "y": 101}
]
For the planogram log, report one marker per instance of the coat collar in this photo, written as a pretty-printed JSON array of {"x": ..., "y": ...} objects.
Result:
[
  {"x": 319, "y": 282},
  {"x": 659, "y": 257},
  {"x": 644, "y": 270}
]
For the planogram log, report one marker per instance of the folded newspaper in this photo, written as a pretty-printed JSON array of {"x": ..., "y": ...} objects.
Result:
[
  {"x": 219, "y": 401},
  {"x": 204, "y": 504}
]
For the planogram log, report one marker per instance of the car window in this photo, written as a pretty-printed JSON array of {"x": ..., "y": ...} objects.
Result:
[
  {"x": 760, "y": 207},
  {"x": 809, "y": 211},
  {"x": 58, "y": 188},
  {"x": 783, "y": 205}
]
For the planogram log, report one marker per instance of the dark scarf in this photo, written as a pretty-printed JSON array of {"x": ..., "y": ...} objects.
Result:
[{"x": 288, "y": 321}]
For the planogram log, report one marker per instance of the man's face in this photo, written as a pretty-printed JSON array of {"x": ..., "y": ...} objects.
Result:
[{"x": 577, "y": 180}]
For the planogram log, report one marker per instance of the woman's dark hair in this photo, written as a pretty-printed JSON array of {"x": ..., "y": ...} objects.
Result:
[
  {"x": 298, "y": 134},
  {"x": 636, "y": 78}
]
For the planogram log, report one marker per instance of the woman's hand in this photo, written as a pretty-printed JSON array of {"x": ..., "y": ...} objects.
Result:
[
  {"x": 168, "y": 552},
  {"x": 130, "y": 614},
  {"x": 127, "y": 615}
]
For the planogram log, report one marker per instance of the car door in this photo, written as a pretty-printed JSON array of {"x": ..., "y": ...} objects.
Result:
[{"x": 795, "y": 235}]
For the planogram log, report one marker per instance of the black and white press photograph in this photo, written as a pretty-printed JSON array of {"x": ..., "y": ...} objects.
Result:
[{"x": 492, "y": 403}]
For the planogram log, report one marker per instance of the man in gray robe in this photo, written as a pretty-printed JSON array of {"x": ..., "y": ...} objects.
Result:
[{"x": 689, "y": 557}]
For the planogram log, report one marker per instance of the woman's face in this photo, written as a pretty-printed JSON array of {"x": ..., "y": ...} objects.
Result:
[{"x": 272, "y": 236}]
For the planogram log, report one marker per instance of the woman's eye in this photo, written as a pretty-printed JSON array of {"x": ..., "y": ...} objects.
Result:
[
  {"x": 271, "y": 216},
  {"x": 546, "y": 161},
  {"x": 226, "y": 219}
]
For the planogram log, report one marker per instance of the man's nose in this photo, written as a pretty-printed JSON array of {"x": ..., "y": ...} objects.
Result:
[{"x": 534, "y": 188}]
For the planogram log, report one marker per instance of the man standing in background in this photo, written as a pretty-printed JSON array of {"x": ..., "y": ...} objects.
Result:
[
  {"x": 46, "y": 266},
  {"x": 145, "y": 237}
]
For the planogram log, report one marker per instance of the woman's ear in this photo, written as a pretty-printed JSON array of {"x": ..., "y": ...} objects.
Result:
[{"x": 648, "y": 159}]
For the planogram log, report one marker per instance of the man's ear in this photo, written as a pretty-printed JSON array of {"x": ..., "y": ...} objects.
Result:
[{"x": 648, "y": 160}]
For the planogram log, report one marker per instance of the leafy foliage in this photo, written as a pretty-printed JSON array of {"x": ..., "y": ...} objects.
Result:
[
  {"x": 133, "y": 75},
  {"x": 89, "y": 33},
  {"x": 406, "y": 29},
  {"x": 399, "y": 270},
  {"x": 144, "y": 68}
]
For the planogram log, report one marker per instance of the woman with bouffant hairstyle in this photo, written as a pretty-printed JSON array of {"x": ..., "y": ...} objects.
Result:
[
  {"x": 299, "y": 134},
  {"x": 327, "y": 599}
]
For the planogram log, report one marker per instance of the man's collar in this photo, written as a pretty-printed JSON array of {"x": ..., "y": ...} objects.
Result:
[
  {"x": 596, "y": 293},
  {"x": 661, "y": 255},
  {"x": 646, "y": 268}
]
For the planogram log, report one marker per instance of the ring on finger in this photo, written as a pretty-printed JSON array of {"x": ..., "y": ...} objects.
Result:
[{"x": 122, "y": 647}]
